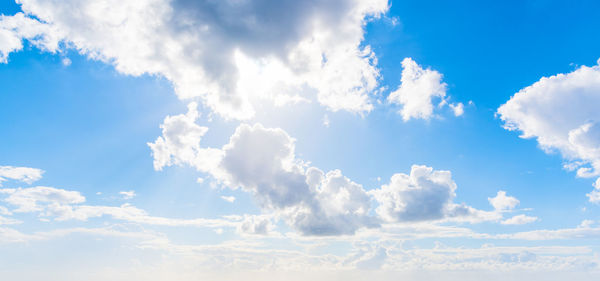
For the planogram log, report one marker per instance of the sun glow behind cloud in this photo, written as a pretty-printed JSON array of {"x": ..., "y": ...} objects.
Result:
[{"x": 411, "y": 207}]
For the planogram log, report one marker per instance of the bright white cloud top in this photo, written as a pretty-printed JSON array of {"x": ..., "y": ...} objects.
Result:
[
  {"x": 23, "y": 174},
  {"x": 419, "y": 90},
  {"x": 228, "y": 53},
  {"x": 299, "y": 155},
  {"x": 561, "y": 113}
]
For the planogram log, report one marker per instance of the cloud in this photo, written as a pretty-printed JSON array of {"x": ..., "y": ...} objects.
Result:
[
  {"x": 262, "y": 162},
  {"x": 128, "y": 194},
  {"x": 230, "y": 54},
  {"x": 261, "y": 225},
  {"x": 5, "y": 221},
  {"x": 560, "y": 112},
  {"x": 23, "y": 174},
  {"x": 229, "y": 199},
  {"x": 180, "y": 143},
  {"x": 5, "y": 211},
  {"x": 520, "y": 219},
  {"x": 35, "y": 199},
  {"x": 594, "y": 195},
  {"x": 13, "y": 29},
  {"x": 502, "y": 202},
  {"x": 457, "y": 108},
  {"x": 66, "y": 61},
  {"x": 423, "y": 195},
  {"x": 418, "y": 90},
  {"x": 584, "y": 231},
  {"x": 65, "y": 205}
]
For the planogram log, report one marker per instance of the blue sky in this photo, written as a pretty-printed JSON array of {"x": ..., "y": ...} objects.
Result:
[{"x": 351, "y": 137}]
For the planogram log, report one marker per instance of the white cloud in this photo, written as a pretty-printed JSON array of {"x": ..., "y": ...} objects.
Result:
[
  {"x": 262, "y": 161},
  {"x": 260, "y": 225},
  {"x": 457, "y": 108},
  {"x": 423, "y": 195},
  {"x": 502, "y": 202},
  {"x": 520, "y": 219},
  {"x": 419, "y": 89},
  {"x": 583, "y": 231},
  {"x": 180, "y": 143},
  {"x": 66, "y": 61},
  {"x": 23, "y": 174},
  {"x": 5, "y": 211},
  {"x": 228, "y": 53},
  {"x": 37, "y": 198},
  {"x": 229, "y": 199},
  {"x": 594, "y": 195},
  {"x": 128, "y": 194},
  {"x": 326, "y": 121},
  {"x": 561, "y": 113},
  {"x": 5, "y": 221},
  {"x": 66, "y": 205},
  {"x": 13, "y": 29}
]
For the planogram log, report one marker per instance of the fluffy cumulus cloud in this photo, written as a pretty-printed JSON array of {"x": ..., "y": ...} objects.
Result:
[
  {"x": 180, "y": 142},
  {"x": 503, "y": 202},
  {"x": 228, "y": 53},
  {"x": 423, "y": 195},
  {"x": 262, "y": 161},
  {"x": 22, "y": 174},
  {"x": 420, "y": 91},
  {"x": 561, "y": 113}
]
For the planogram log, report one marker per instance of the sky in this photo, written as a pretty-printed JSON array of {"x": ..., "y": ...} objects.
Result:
[{"x": 294, "y": 140}]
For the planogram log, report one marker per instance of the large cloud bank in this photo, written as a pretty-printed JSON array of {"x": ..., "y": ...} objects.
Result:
[{"x": 227, "y": 53}]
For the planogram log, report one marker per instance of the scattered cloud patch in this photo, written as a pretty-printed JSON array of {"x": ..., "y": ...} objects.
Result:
[
  {"x": 423, "y": 195},
  {"x": 420, "y": 88},
  {"x": 15, "y": 29},
  {"x": 326, "y": 121},
  {"x": 520, "y": 219},
  {"x": 502, "y": 202},
  {"x": 66, "y": 61},
  {"x": 180, "y": 142},
  {"x": 35, "y": 199},
  {"x": 229, "y": 199},
  {"x": 22, "y": 174},
  {"x": 256, "y": 225},
  {"x": 594, "y": 195},
  {"x": 63, "y": 205},
  {"x": 127, "y": 194}
]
